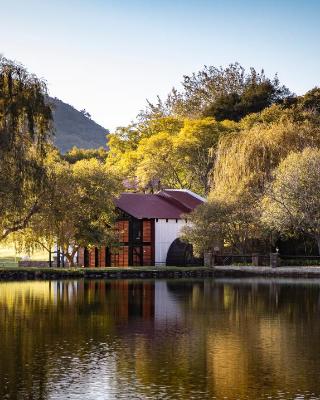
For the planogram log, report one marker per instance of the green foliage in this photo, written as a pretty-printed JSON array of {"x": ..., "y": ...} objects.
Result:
[
  {"x": 219, "y": 224},
  {"x": 221, "y": 93},
  {"x": 311, "y": 100},
  {"x": 292, "y": 202},
  {"x": 247, "y": 159},
  {"x": 78, "y": 209},
  {"x": 168, "y": 152},
  {"x": 25, "y": 126},
  {"x": 76, "y": 154}
]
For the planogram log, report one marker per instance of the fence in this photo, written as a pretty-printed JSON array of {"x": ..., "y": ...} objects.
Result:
[
  {"x": 264, "y": 260},
  {"x": 299, "y": 261}
]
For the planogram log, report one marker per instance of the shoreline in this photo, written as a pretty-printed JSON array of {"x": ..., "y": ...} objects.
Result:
[{"x": 36, "y": 273}]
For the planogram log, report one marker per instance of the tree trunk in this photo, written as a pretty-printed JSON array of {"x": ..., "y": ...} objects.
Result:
[
  {"x": 50, "y": 260},
  {"x": 58, "y": 257},
  {"x": 70, "y": 258}
]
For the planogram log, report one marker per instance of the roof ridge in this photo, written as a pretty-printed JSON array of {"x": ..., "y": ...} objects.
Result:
[{"x": 165, "y": 196}]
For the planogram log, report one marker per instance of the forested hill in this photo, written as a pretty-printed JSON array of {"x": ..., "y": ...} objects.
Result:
[{"x": 73, "y": 128}]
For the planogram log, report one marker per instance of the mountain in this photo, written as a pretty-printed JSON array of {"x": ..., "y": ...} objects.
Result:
[{"x": 74, "y": 128}]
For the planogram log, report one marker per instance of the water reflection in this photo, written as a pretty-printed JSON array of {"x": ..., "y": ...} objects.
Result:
[{"x": 234, "y": 339}]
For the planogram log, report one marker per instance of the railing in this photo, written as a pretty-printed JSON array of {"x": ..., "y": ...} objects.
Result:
[
  {"x": 233, "y": 259},
  {"x": 299, "y": 261}
]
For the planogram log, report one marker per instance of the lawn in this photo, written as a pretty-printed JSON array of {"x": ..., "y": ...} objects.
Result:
[{"x": 9, "y": 257}]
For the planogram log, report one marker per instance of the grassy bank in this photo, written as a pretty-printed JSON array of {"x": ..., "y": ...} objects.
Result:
[
  {"x": 156, "y": 272},
  {"x": 103, "y": 273}
]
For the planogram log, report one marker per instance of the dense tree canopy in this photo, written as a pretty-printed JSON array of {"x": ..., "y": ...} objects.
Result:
[
  {"x": 169, "y": 153},
  {"x": 25, "y": 126},
  {"x": 237, "y": 137},
  {"x": 220, "y": 224},
  {"x": 222, "y": 93},
  {"x": 77, "y": 154},
  {"x": 247, "y": 158},
  {"x": 292, "y": 202},
  {"x": 246, "y": 161},
  {"x": 78, "y": 209}
]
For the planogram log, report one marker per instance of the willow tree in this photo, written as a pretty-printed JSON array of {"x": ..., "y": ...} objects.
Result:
[
  {"x": 25, "y": 127},
  {"x": 247, "y": 159},
  {"x": 292, "y": 203}
]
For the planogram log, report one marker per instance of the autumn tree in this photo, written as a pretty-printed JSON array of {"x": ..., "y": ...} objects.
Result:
[
  {"x": 129, "y": 146},
  {"x": 78, "y": 209},
  {"x": 292, "y": 203},
  {"x": 169, "y": 153},
  {"x": 25, "y": 126},
  {"x": 77, "y": 154},
  {"x": 195, "y": 148},
  {"x": 247, "y": 158}
]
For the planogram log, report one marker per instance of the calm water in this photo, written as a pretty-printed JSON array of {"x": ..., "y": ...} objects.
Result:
[{"x": 230, "y": 339}]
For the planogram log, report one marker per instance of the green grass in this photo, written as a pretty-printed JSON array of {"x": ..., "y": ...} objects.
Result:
[
  {"x": 9, "y": 262},
  {"x": 9, "y": 257}
]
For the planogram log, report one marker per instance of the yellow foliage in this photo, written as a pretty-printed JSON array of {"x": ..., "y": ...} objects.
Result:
[{"x": 245, "y": 160}]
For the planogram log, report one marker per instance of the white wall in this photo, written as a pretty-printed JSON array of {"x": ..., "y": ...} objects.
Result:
[{"x": 165, "y": 234}]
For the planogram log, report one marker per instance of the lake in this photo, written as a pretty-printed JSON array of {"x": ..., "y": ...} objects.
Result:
[{"x": 174, "y": 339}]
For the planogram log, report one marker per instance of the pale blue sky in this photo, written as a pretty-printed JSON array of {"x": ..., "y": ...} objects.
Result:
[{"x": 109, "y": 56}]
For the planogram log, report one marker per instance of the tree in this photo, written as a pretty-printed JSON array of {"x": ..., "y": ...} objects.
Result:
[
  {"x": 292, "y": 202},
  {"x": 25, "y": 126},
  {"x": 78, "y": 210},
  {"x": 194, "y": 147},
  {"x": 226, "y": 225},
  {"x": 139, "y": 143},
  {"x": 247, "y": 158},
  {"x": 157, "y": 165},
  {"x": 310, "y": 101},
  {"x": 168, "y": 152},
  {"x": 85, "y": 113},
  {"x": 76, "y": 154},
  {"x": 221, "y": 93}
]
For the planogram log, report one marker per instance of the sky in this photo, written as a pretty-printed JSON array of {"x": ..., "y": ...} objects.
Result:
[{"x": 110, "y": 56}]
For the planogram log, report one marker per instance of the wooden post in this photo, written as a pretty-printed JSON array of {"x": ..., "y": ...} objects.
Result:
[
  {"x": 256, "y": 259},
  {"x": 208, "y": 259},
  {"x": 58, "y": 257},
  {"x": 50, "y": 260},
  {"x": 274, "y": 260}
]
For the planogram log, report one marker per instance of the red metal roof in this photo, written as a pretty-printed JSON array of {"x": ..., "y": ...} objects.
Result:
[
  {"x": 166, "y": 204},
  {"x": 185, "y": 197}
]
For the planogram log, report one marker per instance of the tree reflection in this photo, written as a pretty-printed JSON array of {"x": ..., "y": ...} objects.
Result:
[{"x": 174, "y": 339}]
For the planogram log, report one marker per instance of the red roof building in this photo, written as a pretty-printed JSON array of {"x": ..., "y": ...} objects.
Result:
[{"x": 149, "y": 226}]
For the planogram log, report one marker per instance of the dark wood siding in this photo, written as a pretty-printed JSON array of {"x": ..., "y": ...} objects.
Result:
[
  {"x": 135, "y": 246},
  {"x": 102, "y": 257},
  {"x": 147, "y": 255},
  {"x": 123, "y": 231},
  {"x": 146, "y": 229},
  {"x": 93, "y": 257},
  {"x": 81, "y": 256},
  {"x": 120, "y": 256}
]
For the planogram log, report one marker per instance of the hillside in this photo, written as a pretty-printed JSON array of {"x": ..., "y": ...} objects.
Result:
[{"x": 72, "y": 128}]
